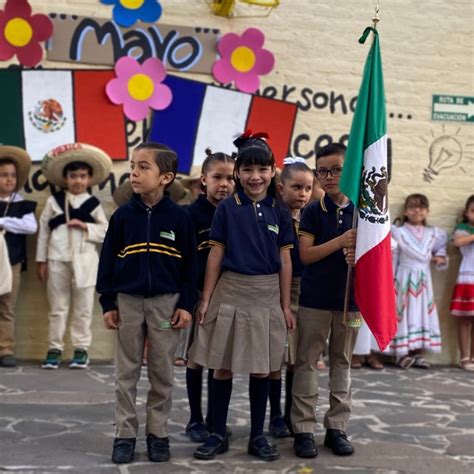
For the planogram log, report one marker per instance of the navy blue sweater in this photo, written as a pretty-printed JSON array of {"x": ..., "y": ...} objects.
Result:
[
  {"x": 148, "y": 252},
  {"x": 202, "y": 212}
]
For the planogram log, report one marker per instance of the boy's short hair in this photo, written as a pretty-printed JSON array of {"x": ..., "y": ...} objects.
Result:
[
  {"x": 165, "y": 158},
  {"x": 76, "y": 166},
  {"x": 7, "y": 161},
  {"x": 332, "y": 149}
]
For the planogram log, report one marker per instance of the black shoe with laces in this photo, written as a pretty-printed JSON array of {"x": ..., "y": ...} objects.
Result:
[
  {"x": 124, "y": 450},
  {"x": 337, "y": 441},
  {"x": 304, "y": 445},
  {"x": 214, "y": 445},
  {"x": 158, "y": 448},
  {"x": 262, "y": 449}
]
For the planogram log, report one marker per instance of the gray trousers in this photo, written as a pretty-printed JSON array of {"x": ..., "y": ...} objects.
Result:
[
  {"x": 139, "y": 318},
  {"x": 314, "y": 328}
]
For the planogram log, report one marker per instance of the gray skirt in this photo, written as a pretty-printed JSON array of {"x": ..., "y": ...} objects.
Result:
[{"x": 244, "y": 329}]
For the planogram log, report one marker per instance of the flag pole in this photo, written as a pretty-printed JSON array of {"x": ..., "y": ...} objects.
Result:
[{"x": 357, "y": 321}]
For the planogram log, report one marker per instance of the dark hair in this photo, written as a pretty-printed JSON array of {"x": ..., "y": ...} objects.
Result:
[
  {"x": 212, "y": 158},
  {"x": 165, "y": 158},
  {"x": 469, "y": 202},
  {"x": 215, "y": 158},
  {"x": 254, "y": 151},
  {"x": 76, "y": 166},
  {"x": 7, "y": 161},
  {"x": 332, "y": 149},
  {"x": 288, "y": 170},
  {"x": 416, "y": 198}
]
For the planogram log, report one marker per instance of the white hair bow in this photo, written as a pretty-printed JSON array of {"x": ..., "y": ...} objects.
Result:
[{"x": 291, "y": 160}]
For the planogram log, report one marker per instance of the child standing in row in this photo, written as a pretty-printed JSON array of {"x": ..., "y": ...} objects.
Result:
[
  {"x": 147, "y": 282},
  {"x": 295, "y": 190},
  {"x": 462, "y": 305},
  {"x": 325, "y": 232},
  {"x": 419, "y": 245},
  {"x": 72, "y": 225},
  {"x": 17, "y": 220},
  {"x": 245, "y": 310},
  {"x": 217, "y": 178}
]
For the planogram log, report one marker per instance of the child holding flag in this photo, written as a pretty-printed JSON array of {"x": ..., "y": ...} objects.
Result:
[{"x": 325, "y": 231}]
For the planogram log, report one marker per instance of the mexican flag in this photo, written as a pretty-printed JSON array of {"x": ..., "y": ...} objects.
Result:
[
  {"x": 46, "y": 108},
  {"x": 364, "y": 181}
]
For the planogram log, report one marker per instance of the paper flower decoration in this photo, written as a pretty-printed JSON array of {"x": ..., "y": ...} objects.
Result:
[
  {"x": 21, "y": 33},
  {"x": 138, "y": 87},
  {"x": 127, "y": 12},
  {"x": 243, "y": 60}
]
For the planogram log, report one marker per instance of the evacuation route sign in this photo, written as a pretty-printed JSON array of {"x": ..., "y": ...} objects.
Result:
[{"x": 453, "y": 108}]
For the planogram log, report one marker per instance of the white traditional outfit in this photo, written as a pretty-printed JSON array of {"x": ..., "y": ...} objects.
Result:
[
  {"x": 72, "y": 254},
  {"x": 418, "y": 324}
]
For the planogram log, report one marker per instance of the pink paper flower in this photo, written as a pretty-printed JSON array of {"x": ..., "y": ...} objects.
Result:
[
  {"x": 243, "y": 60},
  {"x": 138, "y": 87},
  {"x": 21, "y": 33}
]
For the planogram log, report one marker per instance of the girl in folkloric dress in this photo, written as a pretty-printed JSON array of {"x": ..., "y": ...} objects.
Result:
[
  {"x": 462, "y": 304},
  {"x": 419, "y": 245}
]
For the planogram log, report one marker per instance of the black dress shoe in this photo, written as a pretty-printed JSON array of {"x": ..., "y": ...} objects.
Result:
[
  {"x": 215, "y": 444},
  {"x": 278, "y": 428},
  {"x": 304, "y": 446},
  {"x": 262, "y": 449},
  {"x": 197, "y": 431},
  {"x": 158, "y": 448},
  {"x": 124, "y": 450},
  {"x": 7, "y": 360},
  {"x": 337, "y": 441}
]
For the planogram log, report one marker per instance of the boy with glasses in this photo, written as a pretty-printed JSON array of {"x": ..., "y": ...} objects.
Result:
[{"x": 326, "y": 247}]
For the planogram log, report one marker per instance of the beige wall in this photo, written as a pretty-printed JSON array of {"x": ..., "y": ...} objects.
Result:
[{"x": 427, "y": 49}]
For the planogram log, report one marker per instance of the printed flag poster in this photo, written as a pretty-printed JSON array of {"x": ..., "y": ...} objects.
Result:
[
  {"x": 48, "y": 108},
  {"x": 202, "y": 115}
]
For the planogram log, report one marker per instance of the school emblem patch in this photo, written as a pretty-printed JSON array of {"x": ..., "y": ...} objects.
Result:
[
  {"x": 373, "y": 204},
  {"x": 47, "y": 116},
  {"x": 168, "y": 235}
]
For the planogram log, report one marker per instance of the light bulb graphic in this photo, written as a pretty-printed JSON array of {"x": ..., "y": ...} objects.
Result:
[{"x": 445, "y": 152}]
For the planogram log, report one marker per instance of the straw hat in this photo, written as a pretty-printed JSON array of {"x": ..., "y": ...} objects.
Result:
[
  {"x": 22, "y": 162},
  {"x": 57, "y": 159},
  {"x": 194, "y": 175},
  {"x": 124, "y": 192}
]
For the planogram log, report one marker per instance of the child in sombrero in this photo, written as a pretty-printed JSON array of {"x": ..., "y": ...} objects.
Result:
[
  {"x": 72, "y": 225},
  {"x": 17, "y": 219}
]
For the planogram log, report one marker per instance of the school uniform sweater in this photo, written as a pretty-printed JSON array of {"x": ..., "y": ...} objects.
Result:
[
  {"x": 202, "y": 212},
  {"x": 148, "y": 252}
]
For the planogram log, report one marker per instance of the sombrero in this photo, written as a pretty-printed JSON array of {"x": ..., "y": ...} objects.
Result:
[
  {"x": 55, "y": 161},
  {"x": 124, "y": 192},
  {"x": 22, "y": 162},
  {"x": 194, "y": 175}
]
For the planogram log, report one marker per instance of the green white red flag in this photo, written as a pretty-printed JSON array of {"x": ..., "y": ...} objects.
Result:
[{"x": 364, "y": 181}]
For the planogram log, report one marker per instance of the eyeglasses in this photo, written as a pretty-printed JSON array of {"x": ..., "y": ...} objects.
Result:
[{"x": 322, "y": 173}]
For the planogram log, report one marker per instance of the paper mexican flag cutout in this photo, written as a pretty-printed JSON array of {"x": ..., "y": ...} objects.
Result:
[{"x": 47, "y": 108}]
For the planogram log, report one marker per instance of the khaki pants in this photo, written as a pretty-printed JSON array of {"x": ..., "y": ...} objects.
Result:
[
  {"x": 139, "y": 318},
  {"x": 314, "y": 327},
  {"x": 7, "y": 314},
  {"x": 62, "y": 294}
]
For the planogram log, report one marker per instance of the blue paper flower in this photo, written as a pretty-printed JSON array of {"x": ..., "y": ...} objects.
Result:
[{"x": 127, "y": 12}]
